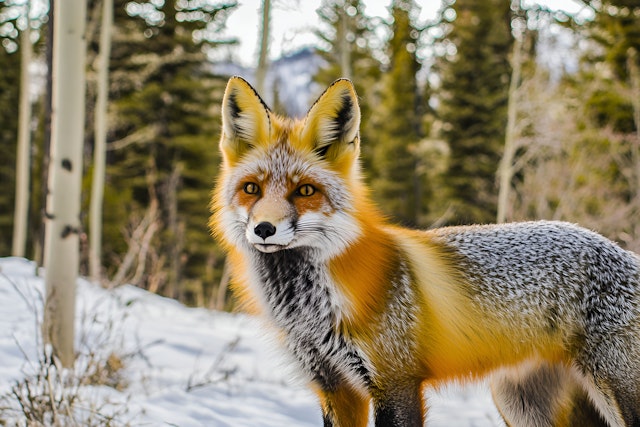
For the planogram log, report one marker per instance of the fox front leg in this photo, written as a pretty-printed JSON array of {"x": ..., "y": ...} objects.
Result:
[
  {"x": 399, "y": 406},
  {"x": 344, "y": 407}
]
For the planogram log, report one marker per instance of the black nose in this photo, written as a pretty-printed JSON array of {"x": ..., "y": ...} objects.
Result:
[{"x": 264, "y": 230}]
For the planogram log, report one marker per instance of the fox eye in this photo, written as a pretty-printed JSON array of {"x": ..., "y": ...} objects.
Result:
[
  {"x": 251, "y": 188},
  {"x": 306, "y": 190}
]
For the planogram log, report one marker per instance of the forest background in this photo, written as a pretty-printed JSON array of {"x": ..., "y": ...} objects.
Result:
[{"x": 489, "y": 111}]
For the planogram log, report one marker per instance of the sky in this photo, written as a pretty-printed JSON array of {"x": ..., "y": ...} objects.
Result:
[{"x": 293, "y": 22}]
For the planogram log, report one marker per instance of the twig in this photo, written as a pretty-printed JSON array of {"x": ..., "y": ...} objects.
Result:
[{"x": 215, "y": 368}]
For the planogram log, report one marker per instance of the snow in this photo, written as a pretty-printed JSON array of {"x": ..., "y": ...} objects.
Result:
[{"x": 182, "y": 366}]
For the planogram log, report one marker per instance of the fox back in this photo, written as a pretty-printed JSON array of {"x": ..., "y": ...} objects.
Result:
[{"x": 372, "y": 312}]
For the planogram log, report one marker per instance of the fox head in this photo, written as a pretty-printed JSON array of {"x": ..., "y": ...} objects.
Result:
[{"x": 285, "y": 183}]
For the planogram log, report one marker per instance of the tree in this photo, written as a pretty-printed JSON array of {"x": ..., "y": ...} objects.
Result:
[
  {"x": 9, "y": 99},
  {"x": 100, "y": 147},
  {"x": 14, "y": 29},
  {"x": 23, "y": 157},
  {"x": 40, "y": 213},
  {"x": 263, "y": 54},
  {"x": 345, "y": 35},
  {"x": 162, "y": 134},
  {"x": 399, "y": 184},
  {"x": 63, "y": 204},
  {"x": 506, "y": 170},
  {"x": 606, "y": 88},
  {"x": 580, "y": 157},
  {"x": 473, "y": 106},
  {"x": 616, "y": 34},
  {"x": 615, "y": 29},
  {"x": 346, "y": 38},
  {"x": 522, "y": 59}
]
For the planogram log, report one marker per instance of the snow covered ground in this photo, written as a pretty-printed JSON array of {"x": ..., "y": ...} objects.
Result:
[{"x": 182, "y": 366}]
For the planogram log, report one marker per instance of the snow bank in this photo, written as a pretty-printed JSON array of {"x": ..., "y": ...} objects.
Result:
[{"x": 182, "y": 366}]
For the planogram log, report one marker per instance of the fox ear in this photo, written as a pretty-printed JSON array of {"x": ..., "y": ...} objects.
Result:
[
  {"x": 332, "y": 124},
  {"x": 245, "y": 120}
]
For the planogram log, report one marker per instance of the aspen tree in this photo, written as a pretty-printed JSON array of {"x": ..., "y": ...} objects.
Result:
[
  {"x": 99, "y": 150},
  {"x": 23, "y": 160},
  {"x": 62, "y": 225}
]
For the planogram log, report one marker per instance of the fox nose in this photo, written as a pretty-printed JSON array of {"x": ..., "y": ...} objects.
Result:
[{"x": 264, "y": 230}]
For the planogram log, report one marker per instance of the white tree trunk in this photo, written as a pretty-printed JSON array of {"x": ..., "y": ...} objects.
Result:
[
  {"x": 23, "y": 158},
  {"x": 99, "y": 150},
  {"x": 634, "y": 80},
  {"x": 61, "y": 252},
  {"x": 505, "y": 171},
  {"x": 261, "y": 71},
  {"x": 345, "y": 46}
]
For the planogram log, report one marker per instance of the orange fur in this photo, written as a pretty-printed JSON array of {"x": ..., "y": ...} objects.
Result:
[
  {"x": 235, "y": 261},
  {"x": 362, "y": 273},
  {"x": 350, "y": 406},
  {"x": 239, "y": 283},
  {"x": 455, "y": 343}
]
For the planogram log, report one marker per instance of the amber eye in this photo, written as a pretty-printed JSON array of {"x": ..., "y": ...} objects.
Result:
[
  {"x": 251, "y": 188},
  {"x": 306, "y": 190}
]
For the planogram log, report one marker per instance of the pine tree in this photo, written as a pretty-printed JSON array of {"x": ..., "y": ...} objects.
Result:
[
  {"x": 163, "y": 142},
  {"x": 399, "y": 185},
  {"x": 474, "y": 105},
  {"x": 616, "y": 28},
  {"x": 616, "y": 33},
  {"x": 9, "y": 98}
]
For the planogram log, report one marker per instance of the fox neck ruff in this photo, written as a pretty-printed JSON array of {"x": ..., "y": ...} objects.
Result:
[
  {"x": 305, "y": 303},
  {"x": 297, "y": 290}
]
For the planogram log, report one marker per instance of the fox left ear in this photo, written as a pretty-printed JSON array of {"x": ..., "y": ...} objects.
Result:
[
  {"x": 332, "y": 124},
  {"x": 246, "y": 120}
]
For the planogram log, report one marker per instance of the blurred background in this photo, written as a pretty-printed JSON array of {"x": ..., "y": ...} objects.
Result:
[{"x": 474, "y": 111}]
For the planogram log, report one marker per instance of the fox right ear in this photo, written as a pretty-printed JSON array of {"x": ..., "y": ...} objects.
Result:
[
  {"x": 246, "y": 120},
  {"x": 332, "y": 125}
]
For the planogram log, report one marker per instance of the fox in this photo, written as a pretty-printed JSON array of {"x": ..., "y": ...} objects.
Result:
[{"x": 373, "y": 313}]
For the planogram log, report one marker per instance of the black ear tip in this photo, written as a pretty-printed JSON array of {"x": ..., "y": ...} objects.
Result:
[
  {"x": 236, "y": 82},
  {"x": 236, "y": 79},
  {"x": 342, "y": 80},
  {"x": 236, "y": 86}
]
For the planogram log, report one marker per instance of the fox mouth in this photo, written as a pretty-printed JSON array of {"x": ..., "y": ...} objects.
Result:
[{"x": 268, "y": 248}]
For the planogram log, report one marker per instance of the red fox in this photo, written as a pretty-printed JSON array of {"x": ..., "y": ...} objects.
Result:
[{"x": 373, "y": 312}]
